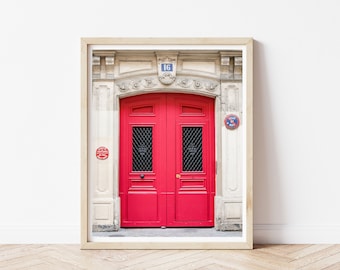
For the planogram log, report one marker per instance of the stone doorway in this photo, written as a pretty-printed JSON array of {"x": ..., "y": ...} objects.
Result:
[{"x": 116, "y": 74}]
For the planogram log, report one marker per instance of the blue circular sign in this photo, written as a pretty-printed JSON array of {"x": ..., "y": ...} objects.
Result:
[{"x": 231, "y": 121}]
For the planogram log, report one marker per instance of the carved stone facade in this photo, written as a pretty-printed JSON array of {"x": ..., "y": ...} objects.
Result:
[{"x": 118, "y": 74}]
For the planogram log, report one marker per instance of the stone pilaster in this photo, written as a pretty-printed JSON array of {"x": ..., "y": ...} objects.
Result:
[
  {"x": 228, "y": 202},
  {"x": 105, "y": 202}
]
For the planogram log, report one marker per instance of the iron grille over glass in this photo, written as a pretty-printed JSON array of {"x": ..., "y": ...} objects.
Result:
[
  {"x": 192, "y": 149},
  {"x": 142, "y": 149}
]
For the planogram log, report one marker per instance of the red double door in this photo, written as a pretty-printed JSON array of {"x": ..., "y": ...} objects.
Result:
[{"x": 167, "y": 161}]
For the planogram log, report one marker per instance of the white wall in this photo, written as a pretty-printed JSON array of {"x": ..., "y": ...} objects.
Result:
[{"x": 296, "y": 96}]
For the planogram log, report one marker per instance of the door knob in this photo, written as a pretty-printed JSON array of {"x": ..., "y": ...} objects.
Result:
[
  {"x": 178, "y": 175},
  {"x": 142, "y": 176}
]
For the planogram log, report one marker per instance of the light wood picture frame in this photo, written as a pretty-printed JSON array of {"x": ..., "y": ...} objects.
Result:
[{"x": 113, "y": 69}]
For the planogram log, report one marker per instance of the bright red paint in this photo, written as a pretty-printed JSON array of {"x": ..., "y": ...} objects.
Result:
[{"x": 167, "y": 196}]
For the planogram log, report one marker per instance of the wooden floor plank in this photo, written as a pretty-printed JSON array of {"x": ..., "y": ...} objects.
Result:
[
  {"x": 173, "y": 262},
  {"x": 322, "y": 263},
  {"x": 195, "y": 263},
  {"x": 281, "y": 250},
  {"x": 148, "y": 260},
  {"x": 312, "y": 249},
  {"x": 335, "y": 266},
  {"x": 241, "y": 261},
  {"x": 262, "y": 257},
  {"x": 314, "y": 254},
  {"x": 216, "y": 266}
]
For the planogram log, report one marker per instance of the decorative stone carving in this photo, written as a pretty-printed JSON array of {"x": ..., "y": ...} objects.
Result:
[
  {"x": 181, "y": 83},
  {"x": 225, "y": 60},
  {"x": 109, "y": 60},
  {"x": 136, "y": 85},
  {"x": 198, "y": 84},
  {"x": 96, "y": 67},
  {"x": 149, "y": 83},
  {"x": 102, "y": 65},
  {"x": 167, "y": 68},
  {"x": 185, "y": 83},
  {"x": 231, "y": 66},
  {"x": 167, "y": 78},
  {"x": 124, "y": 86},
  {"x": 211, "y": 86},
  {"x": 238, "y": 68}
]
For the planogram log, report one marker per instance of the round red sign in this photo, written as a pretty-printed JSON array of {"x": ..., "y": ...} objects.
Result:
[
  {"x": 232, "y": 121},
  {"x": 102, "y": 153}
]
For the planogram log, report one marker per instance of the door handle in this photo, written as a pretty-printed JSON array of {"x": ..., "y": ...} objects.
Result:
[
  {"x": 178, "y": 175},
  {"x": 142, "y": 176}
]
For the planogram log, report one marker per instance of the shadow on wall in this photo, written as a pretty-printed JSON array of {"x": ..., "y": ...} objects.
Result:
[{"x": 268, "y": 202}]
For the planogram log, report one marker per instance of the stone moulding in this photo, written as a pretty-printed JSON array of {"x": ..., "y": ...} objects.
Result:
[{"x": 151, "y": 83}]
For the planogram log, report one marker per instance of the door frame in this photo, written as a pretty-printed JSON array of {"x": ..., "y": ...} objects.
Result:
[
  {"x": 165, "y": 181},
  {"x": 237, "y": 139}
]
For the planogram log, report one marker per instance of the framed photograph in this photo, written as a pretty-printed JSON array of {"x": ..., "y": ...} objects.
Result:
[{"x": 166, "y": 143}]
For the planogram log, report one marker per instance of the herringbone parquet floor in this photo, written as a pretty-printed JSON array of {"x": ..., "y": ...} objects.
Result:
[{"x": 263, "y": 257}]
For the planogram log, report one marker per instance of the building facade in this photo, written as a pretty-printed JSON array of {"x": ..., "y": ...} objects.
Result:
[{"x": 166, "y": 138}]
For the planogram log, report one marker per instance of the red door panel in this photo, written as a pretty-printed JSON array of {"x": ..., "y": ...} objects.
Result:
[
  {"x": 194, "y": 159},
  {"x": 167, "y": 160},
  {"x": 141, "y": 188}
]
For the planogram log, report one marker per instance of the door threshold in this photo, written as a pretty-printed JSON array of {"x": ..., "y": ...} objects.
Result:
[{"x": 168, "y": 232}]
